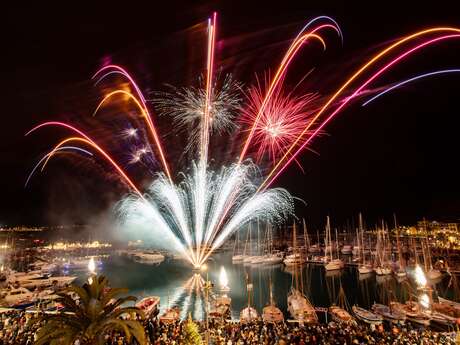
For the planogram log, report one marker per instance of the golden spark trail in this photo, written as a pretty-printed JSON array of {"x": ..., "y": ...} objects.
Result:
[
  {"x": 374, "y": 59},
  {"x": 147, "y": 119},
  {"x": 102, "y": 152}
]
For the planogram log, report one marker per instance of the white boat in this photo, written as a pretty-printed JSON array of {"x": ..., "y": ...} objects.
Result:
[
  {"x": 19, "y": 296},
  {"x": 332, "y": 264},
  {"x": 366, "y": 315},
  {"x": 41, "y": 282},
  {"x": 340, "y": 315},
  {"x": 274, "y": 258},
  {"x": 18, "y": 277},
  {"x": 248, "y": 259},
  {"x": 382, "y": 271},
  {"x": 412, "y": 311},
  {"x": 238, "y": 258},
  {"x": 258, "y": 260},
  {"x": 365, "y": 269},
  {"x": 248, "y": 315},
  {"x": 44, "y": 266},
  {"x": 400, "y": 273},
  {"x": 346, "y": 249},
  {"x": 356, "y": 251},
  {"x": 382, "y": 263},
  {"x": 149, "y": 257},
  {"x": 293, "y": 259},
  {"x": 149, "y": 305},
  {"x": 300, "y": 308},
  {"x": 220, "y": 307},
  {"x": 170, "y": 315},
  {"x": 335, "y": 264},
  {"x": 271, "y": 313},
  {"x": 314, "y": 249},
  {"x": 394, "y": 316}
]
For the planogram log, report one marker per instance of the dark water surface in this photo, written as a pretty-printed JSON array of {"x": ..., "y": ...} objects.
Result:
[{"x": 176, "y": 283}]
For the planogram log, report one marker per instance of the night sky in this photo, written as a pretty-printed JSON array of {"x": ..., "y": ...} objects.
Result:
[{"x": 399, "y": 154}]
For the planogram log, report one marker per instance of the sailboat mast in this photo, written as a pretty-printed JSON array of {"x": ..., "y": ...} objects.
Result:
[
  {"x": 305, "y": 240},
  {"x": 328, "y": 229},
  {"x": 337, "y": 242},
  {"x": 258, "y": 237},
  {"x": 294, "y": 243},
  {"x": 398, "y": 242}
]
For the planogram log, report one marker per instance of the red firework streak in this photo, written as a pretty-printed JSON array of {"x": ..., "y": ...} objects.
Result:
[{"x": 282, "y": 120}]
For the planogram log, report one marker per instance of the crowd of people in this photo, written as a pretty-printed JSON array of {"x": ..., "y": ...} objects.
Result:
[{"x": 16, "y": 328}]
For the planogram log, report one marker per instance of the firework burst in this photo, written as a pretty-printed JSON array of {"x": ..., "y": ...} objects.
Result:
[
  {"x": 186, "y": 106},
  {"x": 197, "y": 214},
  {"x": 230, "y": 201},
  {"x": 282, "y": 120}
]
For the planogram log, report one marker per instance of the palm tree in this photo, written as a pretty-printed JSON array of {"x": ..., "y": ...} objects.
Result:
[
  {"x": 191, "y": 333},
  {"x": 91, "y": 312}
]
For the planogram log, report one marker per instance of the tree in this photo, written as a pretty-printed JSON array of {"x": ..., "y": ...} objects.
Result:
[
  {"x": 190, "y": 333},
  {"x": 91, "y": 312}
]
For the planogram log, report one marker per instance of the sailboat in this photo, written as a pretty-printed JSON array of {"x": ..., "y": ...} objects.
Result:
[
  {"x": 356, "y": 252},
  {"x": 367, "y": 316},
  {"x": 299, "y": 306},
  {"x": 389, "y": 314},
  {"x": 248, "y": 257},
  {"x": 332, "y": 264},
  {"x": 315, "y": 248},
  {"x": 364, "y": 267},
  {"x": 273, "y": 257},
  {"x": 260, "y": 257},
  {"x": 249, "y": 314},
  {"x": 431, "y": 273},
  {"x": 295, "y": 258},
  {"x": 382, "y": 267},
  {"x": 339, "y": 311},
  {"x": 272, "y": 313},
  {"x": 413, "y": 312},
  {"x": 237, "y": 258},
  {"x": 401, "y": 271}
]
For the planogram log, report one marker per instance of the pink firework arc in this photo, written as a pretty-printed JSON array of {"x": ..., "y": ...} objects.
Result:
[{"x": 193, "y": 213}]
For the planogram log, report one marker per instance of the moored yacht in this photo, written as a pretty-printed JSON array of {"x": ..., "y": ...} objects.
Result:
[
  {"x": 300, "y": 308},
  {"x": 293, "y": 259},
  {"x": 149, "y": 305},
  {"x": 412, "y": 311},
  {"x": 274, "y": 258},
  {"x": 332, "y": 264},
  {"x": 340, "y": 315},
  {"x": 170, "y": 315},
  {"x": 147, "y": 257},
  {"x": 394, "y": 316},
  {"x": 40, "y": 282},
  {"x": 19, "y": 296},
  {"x": 346, "y": 249},
  {"x": 367, "y": 316},
  {"x": 238, "y": 258},
  {"x": 365, "y": 269},
  {"x": 335, "y": 264}
]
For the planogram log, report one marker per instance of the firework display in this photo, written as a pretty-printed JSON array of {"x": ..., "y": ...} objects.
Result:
[{"x": 195, "y": 211}]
